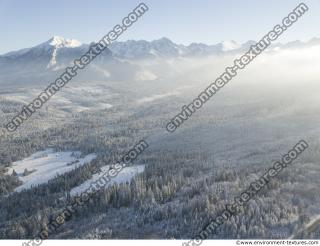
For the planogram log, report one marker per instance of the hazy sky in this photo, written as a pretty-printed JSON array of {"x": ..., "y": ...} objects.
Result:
[{"x": 28, "y": 23}]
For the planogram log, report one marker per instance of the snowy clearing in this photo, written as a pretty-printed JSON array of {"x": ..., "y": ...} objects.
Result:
[
  {"x": 45, "y": 165},
  {"x": 124, "y": 175}
]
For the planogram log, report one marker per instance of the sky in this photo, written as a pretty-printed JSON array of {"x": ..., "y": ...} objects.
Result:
[{"x": 28, "y": 23}]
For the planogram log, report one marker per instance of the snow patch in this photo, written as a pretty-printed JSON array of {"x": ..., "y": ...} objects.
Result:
[
  {"x": 230, "y": 45},
  {"x": 145, "y": 75},
  {"x": 125, "y": 175},
  {"x": 157, "y": 97},
  {"x": 45, "y": 165}
]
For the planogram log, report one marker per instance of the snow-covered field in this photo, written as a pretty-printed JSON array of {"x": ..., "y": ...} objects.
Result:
[
  {"x": 124, "y": 175},
  {"x": 42, "y": 166},
  {"x": 45, "y": 165}
]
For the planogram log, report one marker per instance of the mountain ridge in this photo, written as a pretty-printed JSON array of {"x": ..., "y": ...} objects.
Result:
[
  {"x": 119, "y": 61},
  {"x": 163, "y": 47}
]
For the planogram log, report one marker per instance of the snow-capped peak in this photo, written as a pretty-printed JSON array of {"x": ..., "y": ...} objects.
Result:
[{"x": 59, "y": 42}]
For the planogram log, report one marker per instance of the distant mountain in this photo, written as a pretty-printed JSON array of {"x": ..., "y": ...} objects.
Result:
[
  {"x": 164, "y": 47},
  {"x": 58, "y": 49},
  {"x": 45, "y": 60}
]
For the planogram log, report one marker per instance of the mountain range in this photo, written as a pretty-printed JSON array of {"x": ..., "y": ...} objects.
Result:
[{"x": 47, "y": 58}]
